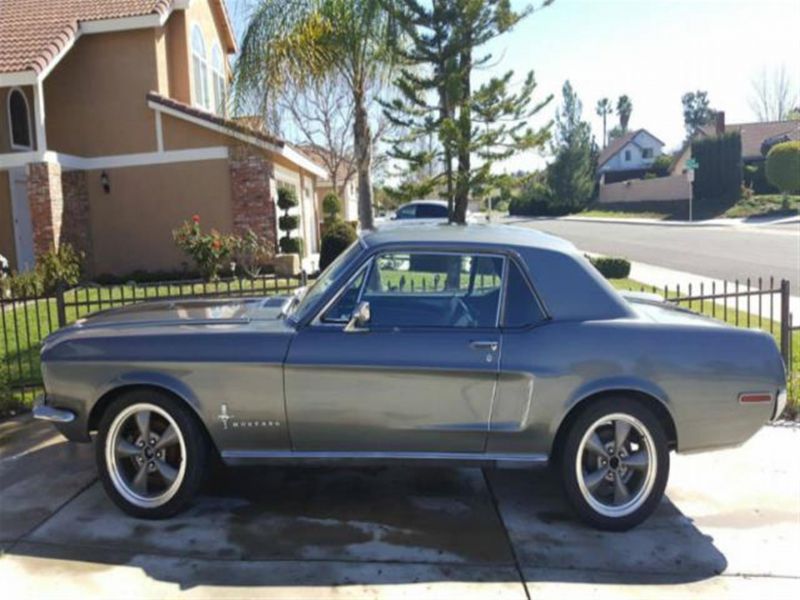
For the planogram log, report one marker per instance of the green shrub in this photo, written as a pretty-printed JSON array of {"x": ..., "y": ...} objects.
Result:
[
  {"x": 331, "y": 206},
  {"x": 611, "y": 267},
  {"x": 661, "y": 165},
  {"x": 287, "y": 198},
  {"x": 210, "y": 251},
  {"x": 718, "y": 179},
  {"x": 288, "y": 222},
  {"x": 783, "y": 167},
  {"x": 290, "y": 245},
  {"x": 59, "y": 268},
  {"x": 338, "y": 236},
  {"x": 26, "y": 284}
]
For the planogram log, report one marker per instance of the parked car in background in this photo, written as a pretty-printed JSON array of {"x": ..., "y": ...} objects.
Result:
[
  {"x": 481, "y": 345},
  {"x": 420, "y": 212}
]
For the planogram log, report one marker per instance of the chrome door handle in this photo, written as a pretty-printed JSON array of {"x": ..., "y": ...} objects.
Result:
[{"x": 479, "y": 345}]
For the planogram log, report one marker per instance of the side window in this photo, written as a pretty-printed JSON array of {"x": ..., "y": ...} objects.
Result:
[
  {"x": 431, "y": 211},
  {"x": 407, "y": 212},
  {"x": 19, "y": 120},
  {"x": 434, "y": 290},
  {"x": 343, "y": 308},
  {"x": 522, "y": 309}
]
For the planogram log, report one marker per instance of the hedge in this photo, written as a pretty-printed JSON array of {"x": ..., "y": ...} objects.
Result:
[{"x": 611, "y": 267}]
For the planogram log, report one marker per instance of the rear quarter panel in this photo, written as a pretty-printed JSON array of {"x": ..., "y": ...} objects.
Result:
[{"x": 696, "y": 372}]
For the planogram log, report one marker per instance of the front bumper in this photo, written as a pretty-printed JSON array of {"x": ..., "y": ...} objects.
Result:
[{"x": 48, "y": 413}]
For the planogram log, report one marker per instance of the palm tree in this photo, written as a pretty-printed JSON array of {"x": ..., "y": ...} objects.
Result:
[
  {"x": 604, "y": 109},
  {"x": 296, "y": 42},
  {"x": 624, "y": 110}
]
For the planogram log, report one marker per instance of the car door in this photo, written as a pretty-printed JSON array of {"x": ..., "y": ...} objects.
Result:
[{"x": 420, "y": 377}]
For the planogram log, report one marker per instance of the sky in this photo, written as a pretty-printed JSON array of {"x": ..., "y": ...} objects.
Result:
[{"x": 652, "y": 50}]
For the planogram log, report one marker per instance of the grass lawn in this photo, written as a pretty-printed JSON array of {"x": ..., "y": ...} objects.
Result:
[
  {"x": 762, "y": 206},
  {"x": 618, "y": 214}
]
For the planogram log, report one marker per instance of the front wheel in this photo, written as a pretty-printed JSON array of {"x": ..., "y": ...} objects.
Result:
[
  {"x": 615, "y": 464},
  {"x": 151, "y": 454}
]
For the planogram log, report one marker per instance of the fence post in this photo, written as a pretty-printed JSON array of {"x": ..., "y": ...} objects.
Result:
[
  {"x": 303, "y": 278},
  {"x": 786, "y": 326},
  {"x": 61, "y": 310}
]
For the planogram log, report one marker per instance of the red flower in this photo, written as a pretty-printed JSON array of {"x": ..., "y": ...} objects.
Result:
[{"x": 196, "y": 218}]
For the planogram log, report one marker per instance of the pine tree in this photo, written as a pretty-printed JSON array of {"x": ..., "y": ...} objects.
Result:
[
  {"x": 488, "y": 124},
  {"x": 570, "y": 176}
]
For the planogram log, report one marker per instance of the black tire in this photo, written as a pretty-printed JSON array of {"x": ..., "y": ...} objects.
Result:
[
  {"x": 568, "y": 465},
  {"x": 195, "y": 451}
]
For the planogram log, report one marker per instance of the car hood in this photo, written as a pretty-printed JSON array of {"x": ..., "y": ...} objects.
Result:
[{"x": 186, "y": 312}]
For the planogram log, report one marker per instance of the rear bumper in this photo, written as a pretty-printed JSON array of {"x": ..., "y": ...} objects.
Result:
[
  {"x": 48, "y": 413},
  {"x": 780, "y": 404}
]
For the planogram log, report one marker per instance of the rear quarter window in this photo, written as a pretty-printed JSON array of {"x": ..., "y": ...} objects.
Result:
[{"x": 522, "y": 307}]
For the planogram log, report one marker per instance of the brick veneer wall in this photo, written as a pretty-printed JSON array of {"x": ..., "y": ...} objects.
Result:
[
  {"x": 76, "y": 228},
  {"x": 46, "y": 201},
  {"x": 251, "y": 199}
]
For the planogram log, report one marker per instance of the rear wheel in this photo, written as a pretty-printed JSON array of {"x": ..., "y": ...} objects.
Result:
[
  {"x": 151, "y": 454},
  {"x": 615, "y": 463}
]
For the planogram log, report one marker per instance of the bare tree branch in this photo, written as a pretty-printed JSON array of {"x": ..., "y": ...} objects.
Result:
[{"x": 774, "y": 94}]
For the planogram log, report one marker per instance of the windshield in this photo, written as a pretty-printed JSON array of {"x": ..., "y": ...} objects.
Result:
[{"x": 323, "y": 283}]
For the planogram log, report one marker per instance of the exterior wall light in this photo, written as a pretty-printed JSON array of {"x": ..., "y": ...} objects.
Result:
[{"x": 105, "y": 182}]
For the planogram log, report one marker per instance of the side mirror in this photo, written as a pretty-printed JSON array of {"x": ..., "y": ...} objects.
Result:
[{"x": 359, "y": 320}]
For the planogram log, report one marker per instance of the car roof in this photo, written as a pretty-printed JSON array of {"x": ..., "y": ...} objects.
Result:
[
  {"x": 436, "y": 202},
  {"x": 485, "y": 234}
]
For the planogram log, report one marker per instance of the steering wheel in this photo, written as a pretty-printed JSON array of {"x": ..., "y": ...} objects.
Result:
[{"x": 459, "y": 311}]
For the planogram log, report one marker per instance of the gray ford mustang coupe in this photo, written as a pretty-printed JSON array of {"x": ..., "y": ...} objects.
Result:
[{"x": 480, "y": 345}]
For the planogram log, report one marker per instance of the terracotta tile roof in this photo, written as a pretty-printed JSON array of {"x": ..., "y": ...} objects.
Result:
[
  {"x": 238, "y": 125},
  {"x": 33, "y": 32},
  {"x": 755, "y": 134}
]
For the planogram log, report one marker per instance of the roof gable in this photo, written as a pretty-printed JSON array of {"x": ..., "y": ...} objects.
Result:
[
  {"x": 35, "y": 33},
  {"x": 618, "y": 144}
]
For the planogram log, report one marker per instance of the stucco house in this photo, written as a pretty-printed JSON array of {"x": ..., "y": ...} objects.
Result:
[
  {"x": 628, "y": 156},
  {"x": 346, "y": 186},
  {"x": 116, "y": 131}
]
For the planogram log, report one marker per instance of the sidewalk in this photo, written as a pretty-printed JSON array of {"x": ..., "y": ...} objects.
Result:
[
  {"x": 740, "y": 222},
  {"x": 659, "y": 276}
]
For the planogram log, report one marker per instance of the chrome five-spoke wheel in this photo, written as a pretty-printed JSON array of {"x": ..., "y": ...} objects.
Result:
[
  {"x": 616, "y": 465},
  {"x": 615, "y": 462},
  {"x": 152, "y": 453},
  {"x": 146, "y": 454}
]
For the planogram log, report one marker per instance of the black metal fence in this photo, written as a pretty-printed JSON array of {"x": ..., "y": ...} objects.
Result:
[
  {"x": 25, "y": 320},
  {"x": 761, "y": 303}
]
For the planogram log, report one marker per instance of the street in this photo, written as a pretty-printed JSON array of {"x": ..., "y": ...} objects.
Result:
[
  {"x": 718, "y": 252},
  {"x": 396, "y": 531}
]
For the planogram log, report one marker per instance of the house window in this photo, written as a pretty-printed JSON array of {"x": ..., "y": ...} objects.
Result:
[
  {"x": 647, "y": 153},
  {"x": 627, "y": 156},
  {"x": 200, "y": 69},
  {"x": 218, "y": 79},
  {"x": 19, "y": 120}
]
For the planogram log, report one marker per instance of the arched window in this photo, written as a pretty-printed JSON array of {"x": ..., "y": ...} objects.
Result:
[
  {"x": 19, "y": 120},
  {"x": 200, "y": 69},
  {"x": 218, "y": 80}
]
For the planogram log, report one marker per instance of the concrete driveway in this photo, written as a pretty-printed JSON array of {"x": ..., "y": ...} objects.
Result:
[{"x": 729, "y": 528}]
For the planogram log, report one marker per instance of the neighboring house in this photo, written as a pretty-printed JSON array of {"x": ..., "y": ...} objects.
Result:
[
  {"x": 116, "y": 131},
  {"x": 757, "y": 138},
  {"x": 629, "y": 156},
  {"x": 346, "y": 181}
]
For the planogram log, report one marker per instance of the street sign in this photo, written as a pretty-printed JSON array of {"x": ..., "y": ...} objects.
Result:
[{"x": 692, "y": 164}]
